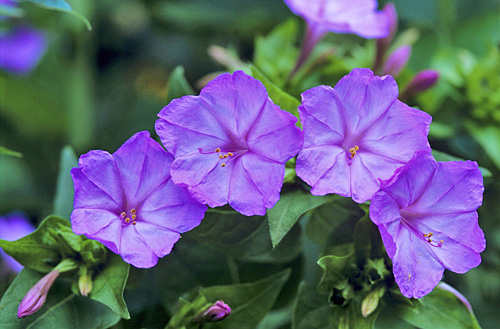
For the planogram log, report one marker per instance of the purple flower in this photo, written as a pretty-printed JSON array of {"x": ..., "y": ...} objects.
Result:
[
  {"x": 21, "y": 48},
  {"x": 357, "y": 134},
  {"x": 36, "y": 296},
  {"x": 322, "y": 16},
  {"x": 127, "y": 201},
  {"x": 230, "y": 143},
  {"x": 13, "y": 227},
  {"x": 397, "y": 61},
  {"x": 217, "y": 312},
  {"x": 427, "y": 218}
]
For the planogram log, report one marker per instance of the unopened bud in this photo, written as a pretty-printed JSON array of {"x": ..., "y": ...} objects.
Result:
[
  {"x": 217, "y": 312},
  {"x": 422, "y": 81},
  {"x": 370, "y": 303},
  {"x": 85, "y": 284},
  {"x": 397, "y": 61},
  {"x": 36, "y": 296}
]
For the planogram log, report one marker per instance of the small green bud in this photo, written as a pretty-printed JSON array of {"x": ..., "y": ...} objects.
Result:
[
  {"x": 370, "y": 303},
  {"x": 85, "y": 283}
]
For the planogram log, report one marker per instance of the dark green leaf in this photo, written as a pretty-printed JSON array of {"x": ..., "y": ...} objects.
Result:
[
  {"x": 62, "y": 308},
  {"x": 6, "y": 151},
  {"x": 279, "y": 97},
  {"x": 489, "y": 138},
  {"x": 288, "y": 210},
  {"x": 110, "y": 283},
  {"x": 8, "y": 11},
  {"x": 245, "y": 238},
  {"x": 438, "y": 310},
  {"x": 334, "y": 275},
  {"x": 61, "y": 5},
  {"x": 178, "y": 85},
  {"x": 46, "y": 247},
  {"x": 311, "y": 310},
  {"x": 63, "y": 202},
  {"x": 441, "y": 156}
]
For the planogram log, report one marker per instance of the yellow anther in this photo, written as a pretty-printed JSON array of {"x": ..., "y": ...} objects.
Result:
[
  {"x": 221, "y": 157},
  {"x": 133, "y": 223},
  {"x": 441, "y": 241},
  {"x": 123, "y": 214},
  {"x": 225, "y": 156},
  {"x": 223, "y": 165},
  {"x": 353, "y": 151},
  {"x": 230, "y": 154},
  {"x": 127, "y": 220},
  {"x": 133, "y": 211},
  {"x": 217, "y": 150},
  {"x": 134, "y": 217}
]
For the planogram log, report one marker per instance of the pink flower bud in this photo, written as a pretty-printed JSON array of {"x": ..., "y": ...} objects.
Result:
[
  {"x": 36, "y": 296},
  {"x": 422, "y": 81},
  {"x": 397, "y": 61},
  {"x": 217, "y": 312}
]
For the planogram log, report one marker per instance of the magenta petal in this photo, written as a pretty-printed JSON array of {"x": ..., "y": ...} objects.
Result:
[
  {"x": 88, "y": 195},
  {"x": 99, "y": 167},
  {"x": 12, "y": 227},
  {"x": 90, "y": 221},
  {"x": 191, "y": 169},
  {"x": 21, "y": 48},
  {"x": 158, "y": 239},
  {"x": 143, "y": 166},
  {"x": 214, "y": 188},
  {"x": 134, "y": 249},
  {"x": 258, "y": 185}
]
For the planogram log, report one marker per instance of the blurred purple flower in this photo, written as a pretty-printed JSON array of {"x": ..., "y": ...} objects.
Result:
[
  {"x": 217, "y": 312},
  {"x": 397, "y": 61},
  {"x": 384, "y": 43},
  {"x": 322, "y": 16},
  {"x": 422, "y": 81},
  {"x": 36, "y": 296},
  {"x": 357, "y": 134},
  {"x": 230, "y": 143},
  {"x": 128, "y": 202},
  {"x": 13, "y": 227},
  {"x": 428, "y": 221},
  {"x": 21, "y": 48}
]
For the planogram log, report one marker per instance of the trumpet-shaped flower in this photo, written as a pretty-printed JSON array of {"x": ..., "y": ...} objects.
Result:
[
  {"x": 428, "y": 221},
  {"x": 230, "y": 143},
  {"x": 127, "y": 201},
  {"x": 357, "y": 134}
]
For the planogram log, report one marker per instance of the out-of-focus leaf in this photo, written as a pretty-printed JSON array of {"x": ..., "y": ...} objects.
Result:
[
  {"x": 441, "y": 156},
  {"x": 178, "y": 85},
  {"x": 279, "y": 97},
  {"x": 245, "y": 238},
  {"x": 311, "y": 310},
  {"x": 63, "y": 202},
  {"x": 110, "y": 284},
  {"x": 275, "y": 54},
  {"x": 11, "y": 11},
  {"x": 6, "y": 151},
  {"x": 334, "y": 271},
  {"x": 61, "y": 5},
  {"x": 288, "y": 210},
  {"x": 62, "y": 309},
  {"x": 438, "y": 310},
  {"x": 249, "y": 303},
  {"x": 489, "y": 138}
]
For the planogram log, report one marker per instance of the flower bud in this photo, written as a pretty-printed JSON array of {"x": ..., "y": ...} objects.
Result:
[
  {"x": 85, "y": 283},
  {"x": 217, "y": 312},
  {"x": 422, "y": 81},
  {"x": 397, "y": 61},
  {"x": 36, "y": 296},
  {"x": 370, "y": 303}
]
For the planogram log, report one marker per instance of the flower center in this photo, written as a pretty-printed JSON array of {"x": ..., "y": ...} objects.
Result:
[
  {"x": 128, "y": 218},
  {"x": 225, "y": 155},
  {"x": 427, "y": 237},
  {"x": 353, "y": 151},
  {"x": 433, "y": 243}
]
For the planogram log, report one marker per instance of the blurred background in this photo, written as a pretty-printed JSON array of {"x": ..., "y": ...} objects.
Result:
[{"x": 95, "y": 89}]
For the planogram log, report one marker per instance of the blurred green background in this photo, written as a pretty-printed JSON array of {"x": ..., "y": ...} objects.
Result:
[{"x": 95, "y": 89}]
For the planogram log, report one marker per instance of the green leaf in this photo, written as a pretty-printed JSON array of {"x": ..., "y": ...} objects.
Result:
[
  {"x": 245, "y": 238},
  {"x": 335, "y": 272},
  {"x": 311, "y": 310},
  {"x": 438, "y": 310},
  {"x": 6, "y": 151},
  {"x": 62, "y": 308},
  {"x": 441, "y": 156},
  {"x": 489, "y": 138},
  {"x": 249, "y": 303},
  {"x": 61, "y": 5},
  {"x": 275, "y": 54},
  {"x": 63, "y": 201},
  {"x": 109, "y": 285},
  {"x": 43, "y": 249},
  {"x": 178, "y": 85},
  {"x": 288, "y": 210},
  {"x": 281, "y": 98}
]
